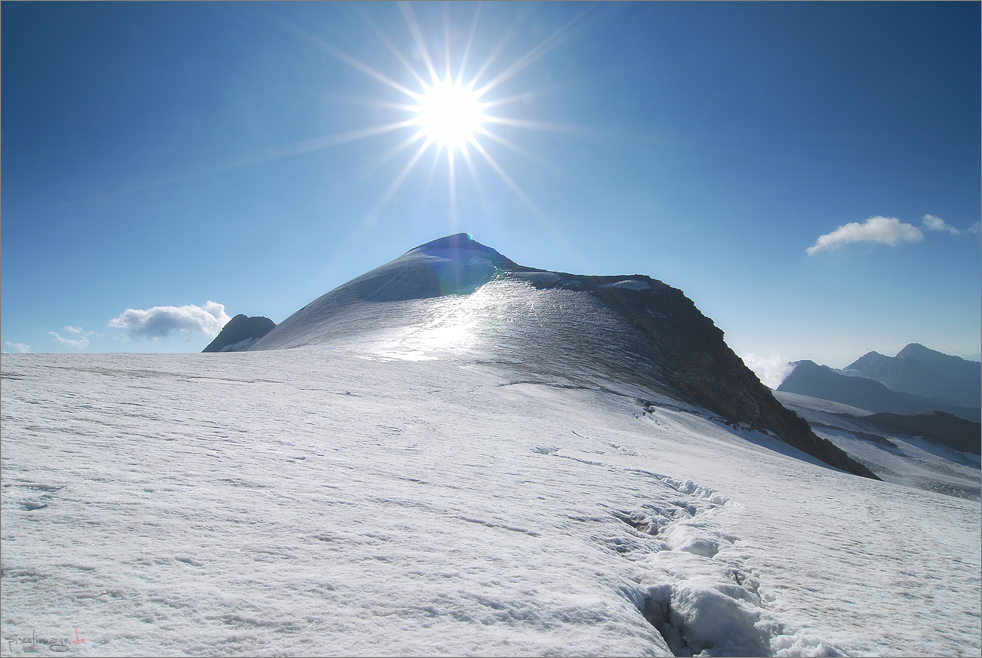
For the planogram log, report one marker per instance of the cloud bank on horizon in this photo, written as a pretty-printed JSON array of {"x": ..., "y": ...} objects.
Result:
[
  {"x": 163, "y": 321},
  {"x": 884, "y": 230}
]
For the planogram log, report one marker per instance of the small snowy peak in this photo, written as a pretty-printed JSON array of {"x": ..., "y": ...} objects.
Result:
[
  {"x": 946, "y": 364},
  {"x": 443, "y": 268},
  {"x": 464, "y": 242},
  {"x": 921, "y": 371},
  {"x": 455, "y": 241},
  {"x": 811, "y": 379}
]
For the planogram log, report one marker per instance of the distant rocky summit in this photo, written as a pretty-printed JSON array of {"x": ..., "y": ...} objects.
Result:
[
  {"x": 916, "y": 369},
  {"x": 240, "y": 333},
  {"x": 585, "y": 331},
  {"x": 917, "y": 380}
]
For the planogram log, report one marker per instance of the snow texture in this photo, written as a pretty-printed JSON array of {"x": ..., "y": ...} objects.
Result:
[
  {"x": 356, "y": 500},
  {"x": 463, "y": 474}
]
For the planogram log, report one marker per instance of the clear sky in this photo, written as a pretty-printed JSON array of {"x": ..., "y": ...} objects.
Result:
[{"x": 256, "y": 155}]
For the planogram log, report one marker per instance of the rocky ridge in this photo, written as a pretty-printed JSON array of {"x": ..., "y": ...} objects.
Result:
[{"x": 240, "y": 333}]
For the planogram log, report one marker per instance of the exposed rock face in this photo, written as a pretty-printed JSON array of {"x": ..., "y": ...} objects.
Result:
[
  {"x": 632, "y": 329},
  {"x": 935, "y": 426},
  {"x": 240, "y": 333},
  {"x": 695, "y": 360}
]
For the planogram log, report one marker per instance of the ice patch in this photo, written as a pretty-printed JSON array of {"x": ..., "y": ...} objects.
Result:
[{"x": 627, "y": 284}]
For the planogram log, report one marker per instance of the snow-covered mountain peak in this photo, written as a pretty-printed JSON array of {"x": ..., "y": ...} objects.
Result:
[
  {"x": 453, "y": 246},
  {"x": 456, "y": 298}
]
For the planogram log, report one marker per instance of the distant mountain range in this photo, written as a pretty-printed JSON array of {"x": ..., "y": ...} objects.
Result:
[
  {"x": 917, "y": 380},
  {"x": 916, "y": 369}
]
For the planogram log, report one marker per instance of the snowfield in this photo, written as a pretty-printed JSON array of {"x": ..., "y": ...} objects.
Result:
[
  {"x": 480, "y": 474},
  {"x": 341, "y": 501}
]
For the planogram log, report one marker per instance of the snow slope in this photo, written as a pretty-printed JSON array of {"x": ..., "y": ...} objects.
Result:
[
  {"x": 894, "y": 457},
  {"x": 402, "y": 493}
]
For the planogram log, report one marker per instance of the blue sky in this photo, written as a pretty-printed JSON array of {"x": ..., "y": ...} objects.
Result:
[{"x": 173, "y": 154}]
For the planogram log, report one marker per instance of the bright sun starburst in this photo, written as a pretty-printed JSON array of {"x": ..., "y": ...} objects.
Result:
[
  {"x": 450, "y": 113},
  {"x": 445, "y": 111}
]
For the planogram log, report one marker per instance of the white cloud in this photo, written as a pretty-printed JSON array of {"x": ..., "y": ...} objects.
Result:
[
  {"x": 79, "y": 343},
  {"x": 771, "y": 370},
  {"x": 19, "y": 347},
  {"x": 882, "y": 230},
  {"x": 162, "y": 321},
  {"x": 935, "y": 223}
]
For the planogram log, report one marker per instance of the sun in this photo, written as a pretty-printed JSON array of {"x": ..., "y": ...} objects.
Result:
[
  {"x": 450, "y": 113},
  {"x": 446, "y": 111}
]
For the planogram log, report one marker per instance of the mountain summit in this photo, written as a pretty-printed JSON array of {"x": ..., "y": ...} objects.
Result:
[
  {"x": 917, "y": 380},
  {"x": 632, "y": 333},
  {"x": 922, "y": 371}
]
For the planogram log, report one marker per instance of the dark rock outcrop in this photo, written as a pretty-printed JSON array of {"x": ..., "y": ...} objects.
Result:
[
  {"x": 692, "y": 356},
  {"x": 935, "y": 426},
  {"x": 240, "y": 333}
]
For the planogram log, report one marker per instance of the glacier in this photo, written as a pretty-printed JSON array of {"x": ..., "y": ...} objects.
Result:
[{"x": 494, "y": 471}]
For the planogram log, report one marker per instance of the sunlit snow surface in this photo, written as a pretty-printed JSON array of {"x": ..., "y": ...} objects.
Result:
[{"x": 425, "y": 489}]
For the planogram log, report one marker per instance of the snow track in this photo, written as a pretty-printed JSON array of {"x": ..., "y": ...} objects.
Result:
[{"x": 695, "y": 602}]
